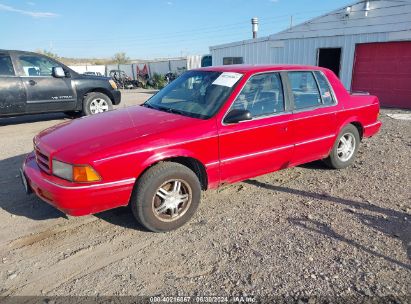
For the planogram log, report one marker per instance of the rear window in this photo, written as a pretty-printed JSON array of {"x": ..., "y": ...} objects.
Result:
[
  {"x": 6, "y": 66},
  {"x": 304, "y": 89}
]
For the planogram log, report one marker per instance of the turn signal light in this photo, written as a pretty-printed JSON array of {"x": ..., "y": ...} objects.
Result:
[
  {"x": 85, "y": 174},
  {"x": 113, "y": 84}
]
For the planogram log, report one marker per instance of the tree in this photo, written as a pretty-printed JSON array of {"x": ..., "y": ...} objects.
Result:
[
  {"x": 120, "y": 58},
  {"x": 47, "y": 53}
]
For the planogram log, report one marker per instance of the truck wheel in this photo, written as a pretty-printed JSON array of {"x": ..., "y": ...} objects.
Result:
[
  {"x": 165, "y": 197},
  {"x": 345, "y": 148},
  {"x": 95, "y": 103}
]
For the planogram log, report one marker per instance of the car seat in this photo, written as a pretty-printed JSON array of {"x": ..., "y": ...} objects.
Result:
[{"x": 33, "y": 72}]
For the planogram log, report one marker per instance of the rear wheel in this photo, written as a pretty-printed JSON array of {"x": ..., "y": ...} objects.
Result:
[
  {"x": 166, "y": 197},
  {"x": 345, "y": 148},
  {"x": 95, "y": 103}
]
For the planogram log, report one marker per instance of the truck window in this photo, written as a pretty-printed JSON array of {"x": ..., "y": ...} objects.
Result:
[
  {"x": 6, "y": 66},
  {"x": 37, "y": 65}
]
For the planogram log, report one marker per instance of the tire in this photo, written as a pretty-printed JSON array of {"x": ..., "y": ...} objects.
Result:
[
  {"x": 342, "y": 157},
  {"x": 95, "y": 102},
  {"x": 148, "y": 202}
]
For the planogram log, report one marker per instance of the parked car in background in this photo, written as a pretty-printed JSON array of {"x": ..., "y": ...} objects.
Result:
[
  {"x": 208, "y": 127},
  {"x": 33, "y": 83},
  {"x": 93, "y": 73}
]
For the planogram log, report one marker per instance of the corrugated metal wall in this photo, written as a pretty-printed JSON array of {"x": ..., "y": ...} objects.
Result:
[
  {"x": 162, "y": 67},
  {"x": 299, "y": 51},
  {"x": 386, "y": 21},
  {"x": 304, "y": 51}
]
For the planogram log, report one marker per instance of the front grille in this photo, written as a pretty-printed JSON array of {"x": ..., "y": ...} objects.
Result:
[{"x": 42, "y": 160}]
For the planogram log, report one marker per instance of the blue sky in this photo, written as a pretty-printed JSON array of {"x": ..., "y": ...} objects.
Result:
[{"x": 145, "y": 29}]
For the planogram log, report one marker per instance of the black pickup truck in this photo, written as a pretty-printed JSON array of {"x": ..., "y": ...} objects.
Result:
[{"x": 33, "y": 83}]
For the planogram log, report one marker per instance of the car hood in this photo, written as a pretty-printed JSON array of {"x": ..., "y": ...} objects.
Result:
[{"x": 81, "y": 137}]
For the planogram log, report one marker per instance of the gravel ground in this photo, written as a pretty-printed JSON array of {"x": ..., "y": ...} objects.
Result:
[{"x": 305, "y": 232}]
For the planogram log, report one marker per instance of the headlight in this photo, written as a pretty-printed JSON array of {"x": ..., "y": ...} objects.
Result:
[
  {"x": 113, "y": 84},
  {"x": 75, "y": 173},
  {"x": 62, "y": 170}
]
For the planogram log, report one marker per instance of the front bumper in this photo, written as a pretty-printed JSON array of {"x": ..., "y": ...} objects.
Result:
[
  {"x": 74, "y": 198},
  {"x": 116, "y": 96}
]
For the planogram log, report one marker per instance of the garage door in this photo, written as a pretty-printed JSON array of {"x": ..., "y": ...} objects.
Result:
[{"x": 384, "y": 70}]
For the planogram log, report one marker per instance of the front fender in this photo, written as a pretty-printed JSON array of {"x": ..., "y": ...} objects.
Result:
[{"x": 164, "y": 155}]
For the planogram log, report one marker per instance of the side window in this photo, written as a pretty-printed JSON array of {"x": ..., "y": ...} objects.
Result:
[
  {"x": 36, "y": 65},
  {"x": 305, "y": 90},
  {"x": 262, "y": 95},
  {"x": 326, "y": 94},
  {"x": 6, "y": 66},
  {"x": 232, "y": 60}
]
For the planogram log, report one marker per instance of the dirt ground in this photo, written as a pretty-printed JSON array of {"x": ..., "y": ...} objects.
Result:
[{"x": 299, "y": 233}]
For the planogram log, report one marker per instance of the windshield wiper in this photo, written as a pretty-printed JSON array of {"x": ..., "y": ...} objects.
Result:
[
  {"x": 175, "y": 111},
  {"x": 168, "y": 110},
  {"x": 147, "y": 105},
  {"x": 171, "y": 110}
]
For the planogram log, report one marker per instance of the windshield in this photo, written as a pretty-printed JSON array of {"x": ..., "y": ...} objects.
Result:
[{"x": 197, "y": 94}]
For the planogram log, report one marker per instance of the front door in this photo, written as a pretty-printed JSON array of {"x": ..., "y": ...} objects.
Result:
[
  {"x": 45, "y": 93},
  {"x": 260, "y": 145},
  {"x": 12, "y": 92}
]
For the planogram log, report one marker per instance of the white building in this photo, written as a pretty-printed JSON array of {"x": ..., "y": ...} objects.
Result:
[{"x": 367, "y": 44}]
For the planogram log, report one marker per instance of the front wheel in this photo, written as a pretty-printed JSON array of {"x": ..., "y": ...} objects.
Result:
[
  {"x": 166, "y": 197},
  {"x": 95, "y": 103},
  {"x": 345, "y": 148}
]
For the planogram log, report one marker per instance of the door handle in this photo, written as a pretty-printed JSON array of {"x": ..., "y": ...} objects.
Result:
[{"x": 32, "y": 82}]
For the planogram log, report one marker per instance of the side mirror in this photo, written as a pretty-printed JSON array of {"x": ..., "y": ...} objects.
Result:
[
  {"x": 237, "y": 115},
  {"x": 58, "y": 72}
]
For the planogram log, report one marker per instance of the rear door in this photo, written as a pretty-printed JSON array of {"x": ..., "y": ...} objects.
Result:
[
  {"x": 260, "y": 145},
  {"x": 314, "y": 125},
  {"x": 12, "y": 92},
  {"x": 45, "y": 93}
]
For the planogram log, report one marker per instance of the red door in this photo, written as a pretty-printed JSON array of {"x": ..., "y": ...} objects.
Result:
[
  {"x": 256, "y": 147},
  {"x": 384, "y": 70},
  {"x": 261, "y": 145}
]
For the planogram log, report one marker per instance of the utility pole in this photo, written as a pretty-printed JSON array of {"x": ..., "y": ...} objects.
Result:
[{"x": 291, "y": 21}]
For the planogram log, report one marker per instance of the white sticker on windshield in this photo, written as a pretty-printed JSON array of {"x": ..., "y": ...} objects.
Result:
[{"x": 227, "y": 79}]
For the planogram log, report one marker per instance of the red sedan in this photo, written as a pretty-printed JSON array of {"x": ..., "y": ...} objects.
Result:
[{"x": 209, "y": 127}]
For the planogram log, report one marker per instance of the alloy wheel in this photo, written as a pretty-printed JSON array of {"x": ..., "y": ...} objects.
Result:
[
  {"x": 98, "y": 105},
  {"x": 172, "y": 200},
  {"x": 346, "y": 147}
]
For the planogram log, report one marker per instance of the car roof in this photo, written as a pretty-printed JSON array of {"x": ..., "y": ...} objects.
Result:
[{"x": 257, "y": 68}]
